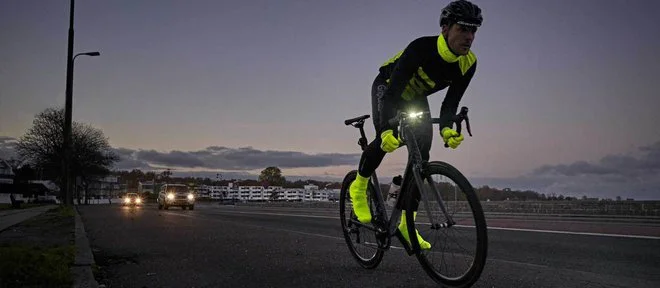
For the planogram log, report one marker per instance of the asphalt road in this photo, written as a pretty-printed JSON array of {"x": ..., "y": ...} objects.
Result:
[{"x": 227, "y": 246}]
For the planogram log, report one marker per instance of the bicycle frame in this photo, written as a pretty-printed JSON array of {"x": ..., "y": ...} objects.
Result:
[{"x": 416, "y": 167}]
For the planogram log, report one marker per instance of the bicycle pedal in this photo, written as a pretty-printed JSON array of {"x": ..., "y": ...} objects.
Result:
[{"x": 383, "y": 241}]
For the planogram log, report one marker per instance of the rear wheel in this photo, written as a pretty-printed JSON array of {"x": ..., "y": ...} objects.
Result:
[
  {"x": 458, "y": 252},
  {"x": 360, "y": 238}
]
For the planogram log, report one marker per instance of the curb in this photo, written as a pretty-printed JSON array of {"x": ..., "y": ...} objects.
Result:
[{"x": 84, "y": 259}]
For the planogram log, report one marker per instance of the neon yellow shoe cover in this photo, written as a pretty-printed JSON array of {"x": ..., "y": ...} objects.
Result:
[{"x": 358, "y": 191}]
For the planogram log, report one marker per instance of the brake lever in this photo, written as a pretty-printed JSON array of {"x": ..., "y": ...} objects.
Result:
[
  {"x": 464, "y": 116},
  {"x": 467, "y": 123},
  {"x": 458, "y": 118}
]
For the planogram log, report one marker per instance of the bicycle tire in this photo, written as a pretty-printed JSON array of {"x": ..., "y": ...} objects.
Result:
[
  {"x": 368, "y": 262},
  {"x": 479, "y": 261}
]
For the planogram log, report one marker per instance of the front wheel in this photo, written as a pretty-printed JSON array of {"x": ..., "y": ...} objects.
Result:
[
  {"x": 360, "y": 238},
  {"x": 458, "y": 247}
]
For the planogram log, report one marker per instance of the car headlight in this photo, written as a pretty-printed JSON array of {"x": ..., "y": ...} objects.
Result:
[
  {"x": 138, "y": 200},
  {"x": 170, "y": 196},
  {"x": 127, "y": 200},
  {"x": 191, "y": 197}
]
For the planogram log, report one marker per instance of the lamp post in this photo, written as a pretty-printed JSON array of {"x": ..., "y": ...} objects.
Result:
[
  {"x": 67, "y": 124},
  {"x": 67, "y": 195}
]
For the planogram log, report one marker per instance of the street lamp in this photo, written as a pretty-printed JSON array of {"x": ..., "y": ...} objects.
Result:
[{"x": 95, "y": 53}]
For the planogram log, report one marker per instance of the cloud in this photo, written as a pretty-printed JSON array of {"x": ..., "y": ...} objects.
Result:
[
  {"x": 213, "y": 157},
  {"x": 577, "y": 168},
  {"x": 173, "y": 158},
  {"x": 127, "y": 160},
  {"x": 238, "y": 159},
  {"x": 614, "y": 175},
  {"x": 627, "y": 176}
]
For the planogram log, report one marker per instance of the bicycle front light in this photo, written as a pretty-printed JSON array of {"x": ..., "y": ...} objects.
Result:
[{"x": 415, "y": 115}]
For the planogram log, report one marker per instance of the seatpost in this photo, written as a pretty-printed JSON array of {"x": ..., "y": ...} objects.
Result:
[{"x": 363, "y": 139}]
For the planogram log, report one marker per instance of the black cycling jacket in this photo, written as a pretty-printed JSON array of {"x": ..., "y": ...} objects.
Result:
[{"x": 424, "y": 67}]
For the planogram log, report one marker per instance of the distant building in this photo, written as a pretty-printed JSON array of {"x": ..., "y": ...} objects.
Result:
[
  {"x": 6, "y": 173},
  {"x": 311, "y": 187},
  {"x": 146, "y": 187},
  {"x": 106, "y": 187},
  {"x": 270, "y": 193}
]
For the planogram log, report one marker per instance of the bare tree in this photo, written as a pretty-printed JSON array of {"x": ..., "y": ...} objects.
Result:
[
  {"x": 42, "y": 146},
  {"x": 92, "y": 155}
]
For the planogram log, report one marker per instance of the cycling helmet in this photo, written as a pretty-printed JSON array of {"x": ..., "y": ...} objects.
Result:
[{"x": 462, "y": 12}]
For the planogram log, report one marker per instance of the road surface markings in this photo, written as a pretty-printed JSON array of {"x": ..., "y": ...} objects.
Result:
[{"x": 490, "y": 227}]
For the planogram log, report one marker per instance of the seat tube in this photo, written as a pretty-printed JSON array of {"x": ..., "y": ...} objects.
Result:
[
  {"x": 380, "y": 203},
  {"x": 404, "y": 194}
]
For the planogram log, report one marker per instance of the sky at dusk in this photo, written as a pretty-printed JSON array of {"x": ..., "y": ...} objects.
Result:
[{"x": 564, "y": 99}]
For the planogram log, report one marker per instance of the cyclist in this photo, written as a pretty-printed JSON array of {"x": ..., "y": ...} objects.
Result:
[{"x": 427, "y": 65}]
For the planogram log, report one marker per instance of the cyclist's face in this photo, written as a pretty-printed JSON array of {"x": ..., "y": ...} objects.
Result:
[{"x": 459, "y": 38}]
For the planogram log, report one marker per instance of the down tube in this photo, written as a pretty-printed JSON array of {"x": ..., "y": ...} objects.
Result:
[
  {"x": 417, "y": 163},
  {"x": 441, "y": 202}
]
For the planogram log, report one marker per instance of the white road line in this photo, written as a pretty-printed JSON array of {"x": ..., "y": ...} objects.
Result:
[
  {"x": 577, "y": 233},
  {"x": 281, "y": 214},
  {"x": 490, "y": 259},
  {"x": 489, "y": 228}
]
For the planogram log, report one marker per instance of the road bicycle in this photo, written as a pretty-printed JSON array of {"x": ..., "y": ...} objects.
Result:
[{"x": 442, "y": 208}]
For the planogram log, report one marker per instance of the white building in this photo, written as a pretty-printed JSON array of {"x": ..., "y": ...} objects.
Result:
[
  {"x": 294, "y": 194},
  {"x": 270, "y": 193},
  {"x": 316, "y": 195},
  {"x": 203, "y": 192},
  {"x": 311, "y": 187}
]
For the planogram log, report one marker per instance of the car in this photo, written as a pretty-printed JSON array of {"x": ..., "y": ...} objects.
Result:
[
  {"x": 175, "y": 195},
  {"x": 132, "y": 199}
]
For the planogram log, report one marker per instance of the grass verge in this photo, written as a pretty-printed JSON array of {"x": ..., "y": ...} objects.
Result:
[
  {"x": 40, "y": 251},
  {"x": 33, "y": 266},
  {"x": 6, "y": 206}
]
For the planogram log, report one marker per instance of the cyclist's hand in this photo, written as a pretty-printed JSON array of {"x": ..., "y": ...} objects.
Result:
[
  {"x": 451, "y": 137},
  {"x": 388, "y": 143}
]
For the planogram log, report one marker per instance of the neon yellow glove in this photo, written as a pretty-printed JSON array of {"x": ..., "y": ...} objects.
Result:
[
  {"x": 451, "y": 137},
  {"x": 388, "y": 143}
]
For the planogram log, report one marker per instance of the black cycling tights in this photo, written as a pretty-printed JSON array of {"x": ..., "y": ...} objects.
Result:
[{"x": 373, "y": 155}]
